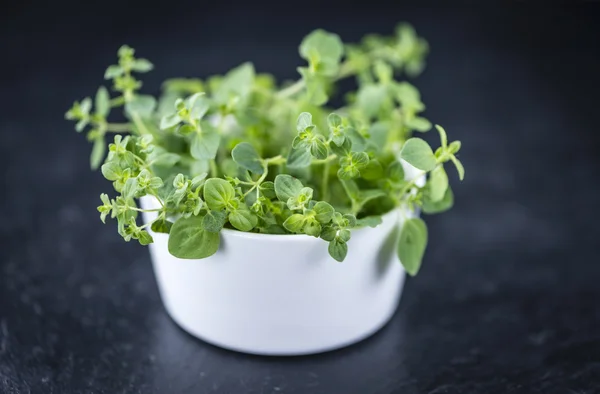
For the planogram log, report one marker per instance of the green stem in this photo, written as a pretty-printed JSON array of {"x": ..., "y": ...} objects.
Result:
[
  {"x": 117, "y": 101},
  {"x": 118, "y": 127},
  {"x": 261, "y": 179},
  {"x": 346, "y": 70},
  {"x": 141, "y": 127},
  {"x": 146, "y": 210},
  {"x": 214, "y": 171},
  {"x": 292, "y": 89},
  {"x": 325, "y": 182}
]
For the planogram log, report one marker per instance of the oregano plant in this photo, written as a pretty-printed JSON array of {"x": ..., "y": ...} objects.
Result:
[{"x": 238, "y": 151}]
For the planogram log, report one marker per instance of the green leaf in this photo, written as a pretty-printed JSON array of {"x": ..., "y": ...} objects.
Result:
[
  {"x": 111, "y": 171},
  {"x": 315, "y": 87},
  {"x": 299, "y": 158},
  {"x": 318, "y": 149},
  {"x": 287, "y": 187},
  {"x": 395, "y": 172},
  {"x": 144, "y": 238},
  {"x": 357, "y": 140},
  {"x": 344, "y": 235},
  {"x": 348, "y": 172},
  {"x": 323, "y": 212},
  {"x": 409, "y": 97},
  {"x": 304, "y": 121},
  {"x": 98, "y": 151},
  {"x": 113, "y": 72},
  {"x": 371, "y": 221},
  {"x": 169, "y": 121},
  {"x": 218, "y": 193},
  {"x": 419, "y": 154},
  {"x": 161, "y": 226},
  {"x": 432, "y": 207},
  {"x": 328, "y": 233},
  {"x": 205, "y": 144},
  {"x": 237, "y": 82},
  {"x": 243, "y": 219},
  {"x": 454, "y": 147},
  {"x": 142, "y": 105},
  {"x": 301, "y": 200},
  {"x": 198, "y": 105},
  {"x": 321, "y": 46},
  {"x": 419, "y": 124},
  {"x": 166, "y": 159},
  {"x": 102, "y": 102},
  {"x": 312, "y": 227},
  {"x": 79, "y": 126},
  {"x": 295, "y": 223},
  {"x": 142, "y": 65},
  {"x": 371, "y": 98},
  {"x": 443, "y": 136},
  {"x": 246, "y": 157},
  {"x": 334, "y": 120},
  {"x": 341, "y": 149},
  {"x": 198, "y": 180},
  {"x": 437, "y": 184},
  {"x": 365, "y": 196},
  {"x": 372, "y": 171},
  {"x": 268, "y": 189},
  {"x": 214, "y": 221},
  {"x": 338, "y": 250},
  {"x": 412, "y": 244},
  {"x": 130, "y": 189},
  {"x": 459, "y": 167},
  {"x": 189, "y": 240}
]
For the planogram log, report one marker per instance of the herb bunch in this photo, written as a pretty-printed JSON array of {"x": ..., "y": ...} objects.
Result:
[{"x": 238, "y": 151}]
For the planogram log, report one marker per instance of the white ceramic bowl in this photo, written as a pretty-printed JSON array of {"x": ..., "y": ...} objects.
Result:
[{"x": 282, "y": 294}]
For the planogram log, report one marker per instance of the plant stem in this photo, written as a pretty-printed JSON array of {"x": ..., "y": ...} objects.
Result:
[
  {"x": 146, "y": 210},
  {"x": 292, "y": 89},
  {"x": 141, "y": 127},
  {"x": 214, "y": 171},
  {"x": 325, "y": 182},
  {"x": 345, "y": 71},
  {"x": 261, "y": 179},
  {"x": 118, "y": 127}
]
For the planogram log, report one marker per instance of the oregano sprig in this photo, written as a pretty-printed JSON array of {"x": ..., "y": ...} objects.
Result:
[{"x": 236, "y": 151}]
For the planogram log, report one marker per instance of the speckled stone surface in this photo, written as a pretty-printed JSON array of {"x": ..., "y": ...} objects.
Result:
[{"x": 508, "y": 300}]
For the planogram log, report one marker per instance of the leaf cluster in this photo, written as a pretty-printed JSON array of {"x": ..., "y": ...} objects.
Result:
[{"x": 238, "y": 151}]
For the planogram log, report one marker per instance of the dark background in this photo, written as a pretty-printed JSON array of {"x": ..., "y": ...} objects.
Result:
[{"x": 508, "y": 299}]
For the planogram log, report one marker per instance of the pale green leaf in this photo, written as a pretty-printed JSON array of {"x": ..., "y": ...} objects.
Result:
[
  {"x": 431, "y": 207},
  {"x": 459, "y": 167},
  {"x": 189, "y": 240},
  {"x": 246, "y": 157},
  {"x": 214, "y": 221},
  {"x": 419, "y": 154},
  {"x": 322, "y": 46},
  {"x": 318, "y": 149},
  {"x": 295, "y": 223},
  {"x": 218, "y": 193},
  {"x": 370, "y": 221},
  {"x": 102, "y": 102},
  {"x": 437, "y": 183},
  {"x": 243, "y": 219},
  {"x": 304, "y": 121},
  {"x": 323, "y": 212},
  {"x": 205, "y": 144},
  {"x": 287, "y": 187},
  {"x": 338, "y": 250},
  {"x": 142, "y": 65},
  {"x": 98, "y": 151},
  {"x": 412, "y": 244},
  {"x": 142, "y": 105}
]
